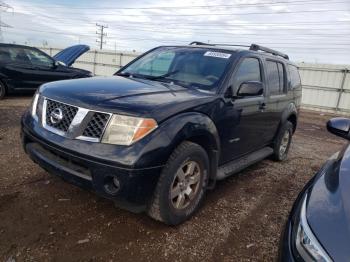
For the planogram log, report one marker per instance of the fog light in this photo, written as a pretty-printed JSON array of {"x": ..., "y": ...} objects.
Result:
[{"x": 112, "y": 185}]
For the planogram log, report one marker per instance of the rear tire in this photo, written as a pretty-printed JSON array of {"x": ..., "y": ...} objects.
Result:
[
  {"x": 2, "y": 90},
  {"x": 181, "y": 186},
  {"x": 283, "y": 141}
]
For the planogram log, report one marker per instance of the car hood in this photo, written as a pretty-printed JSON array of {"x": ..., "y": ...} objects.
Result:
[
  {"x": 129, "y": 96},
  {"x": 70, "y": 54},
  {"x": 328, "y": 209}
]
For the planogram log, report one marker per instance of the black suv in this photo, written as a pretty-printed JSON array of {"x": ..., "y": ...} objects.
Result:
[
  {"x": 25, "y": 68},
  {"x": 167, "y": 126}
]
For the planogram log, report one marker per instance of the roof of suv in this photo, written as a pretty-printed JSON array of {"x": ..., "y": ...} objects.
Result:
[{"x": 239, "y": 48}]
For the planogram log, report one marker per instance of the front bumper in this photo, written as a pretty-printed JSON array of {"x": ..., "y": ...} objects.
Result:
[
  {"x": 287, "y": 248},
  {"x": 136, "y": 185}
]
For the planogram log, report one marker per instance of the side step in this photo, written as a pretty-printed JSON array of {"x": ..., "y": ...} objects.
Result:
[{"x": 238, "y": 165}]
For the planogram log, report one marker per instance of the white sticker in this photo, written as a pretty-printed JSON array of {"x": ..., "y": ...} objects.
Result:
[{"x": 217, "y": 54}]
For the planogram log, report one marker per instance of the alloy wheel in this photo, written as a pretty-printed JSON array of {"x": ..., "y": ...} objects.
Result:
[
  {"x": 186, "y": 184},
  {"x": 284, "y": 143}
]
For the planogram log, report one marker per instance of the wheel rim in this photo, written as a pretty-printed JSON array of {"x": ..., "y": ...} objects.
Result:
[
  {"x": 284, "y": 143},
  {"x": 185, "y": 185}
]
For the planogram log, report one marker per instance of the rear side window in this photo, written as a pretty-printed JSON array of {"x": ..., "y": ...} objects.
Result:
[
  {"x": 13, "y": 55},
  {"x": 275, "y": 76},
  {"x": 248, "y": 70},
  {"x": 294, "y": 76}
]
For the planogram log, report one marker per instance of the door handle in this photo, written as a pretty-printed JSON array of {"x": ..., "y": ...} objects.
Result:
[{"x": 262, "y": 106}]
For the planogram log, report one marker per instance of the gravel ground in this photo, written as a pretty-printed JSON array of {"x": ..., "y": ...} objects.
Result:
[{"x": 45, "y": 219}]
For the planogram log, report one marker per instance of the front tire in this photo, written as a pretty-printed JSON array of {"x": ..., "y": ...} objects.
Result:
[
  {"x": 283, "y": 141},
  {"x": 181, "y": 186}
]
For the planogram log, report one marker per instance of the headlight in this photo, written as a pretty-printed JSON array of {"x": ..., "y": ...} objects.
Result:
[
  {"x": 306, "y": 243},
  {"x": 125, "y": 130},
  {"x": 35, "y": 105}
]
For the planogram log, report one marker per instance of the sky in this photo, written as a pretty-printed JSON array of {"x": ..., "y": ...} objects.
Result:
[{"x": 316, "y": 31}]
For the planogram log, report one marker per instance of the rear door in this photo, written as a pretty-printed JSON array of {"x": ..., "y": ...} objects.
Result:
[
  {"x": 17, "y": 67},
  {"x": 44, "y": 68},
  {"x": 278, "y": 97},
  {"x": 242, "y": 124}
]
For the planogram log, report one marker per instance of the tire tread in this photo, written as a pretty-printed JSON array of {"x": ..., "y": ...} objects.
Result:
[{"x": 154, "y": 208}]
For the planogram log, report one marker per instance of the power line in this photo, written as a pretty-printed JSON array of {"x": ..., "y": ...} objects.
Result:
[
  {"x": 282, "y": 37},
  {"x": 207, "y": 30},
  {"x": 189, "y": 7},
  {"x": 188, "y": 25},
  {"x": 280, "y": 45},
  {"x": 309, "y": 50},
  {"x": 205, "y": 14},
  {"x": 101, "y": 34},
  {"x": 306, "y": 37}
]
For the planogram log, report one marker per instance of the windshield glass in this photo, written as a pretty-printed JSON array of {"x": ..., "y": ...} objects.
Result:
[{"x": 193, "y": 67}]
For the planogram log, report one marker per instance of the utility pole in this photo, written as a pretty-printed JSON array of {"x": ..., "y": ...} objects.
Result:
[{"x": 100, "y": 32}]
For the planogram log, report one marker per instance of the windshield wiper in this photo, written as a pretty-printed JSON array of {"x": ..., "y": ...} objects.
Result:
[
  {"x": 126, "y": 74},
  {"x": 161, "y": 76}
]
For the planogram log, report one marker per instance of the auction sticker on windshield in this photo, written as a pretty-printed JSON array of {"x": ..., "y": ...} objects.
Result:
[{"x": 217, "y": 54}]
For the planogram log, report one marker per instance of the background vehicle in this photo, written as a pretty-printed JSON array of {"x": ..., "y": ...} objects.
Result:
[
  {"x": 318, "y": 226},
  {"x": 24, "y": 68},
  {"x": 167, "y": 126}
]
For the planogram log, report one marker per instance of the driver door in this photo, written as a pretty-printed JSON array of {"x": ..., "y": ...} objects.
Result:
[
  {"x": 43, "y": 68},
  {"x": 243, "y": 122}
]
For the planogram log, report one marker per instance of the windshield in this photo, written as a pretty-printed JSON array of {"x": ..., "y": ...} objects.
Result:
[{"x": 192, "y": 67}]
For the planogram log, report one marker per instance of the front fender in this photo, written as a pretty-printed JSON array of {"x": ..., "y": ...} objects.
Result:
[
  {"x": 188, "y": 125},
  {"x": 173, "y": 131}
]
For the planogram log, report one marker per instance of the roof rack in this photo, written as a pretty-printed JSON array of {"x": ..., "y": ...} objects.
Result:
[
  {"x": 253, "y": 47},
  {"x": 199, "y": 43}
]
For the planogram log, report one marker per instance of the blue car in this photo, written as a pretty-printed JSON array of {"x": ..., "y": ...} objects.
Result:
[{"x": 318, "y": 228}]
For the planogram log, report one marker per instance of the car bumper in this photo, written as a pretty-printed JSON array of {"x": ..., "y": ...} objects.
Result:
[
  {"x": 285, "y": 250},
  {"x": 90, "y": 170}
]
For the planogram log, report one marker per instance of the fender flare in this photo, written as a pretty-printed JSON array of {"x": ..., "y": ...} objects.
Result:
[
  {"x": 192, "y": 126},
  {"x": 288, "y": 112}
]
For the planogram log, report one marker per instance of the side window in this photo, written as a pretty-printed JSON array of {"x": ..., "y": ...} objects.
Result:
[
  {"x": 295, "y": 81},
  {"x": 248, "y": 70},
  {"x": 18, "y": 56},
  {"x": 275, "y": 76},
  {"x": 281, "y": 77},
  {"x": 5, "y": 55},
  {"x": 38, "y": 59}
]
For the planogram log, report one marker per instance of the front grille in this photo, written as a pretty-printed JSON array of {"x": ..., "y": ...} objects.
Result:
[
  {"x": 68, "y": 111},
  {"x": 96, "y": 125}
]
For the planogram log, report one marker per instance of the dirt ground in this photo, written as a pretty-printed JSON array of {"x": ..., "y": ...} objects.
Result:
[{"x": 43, "y": 218}]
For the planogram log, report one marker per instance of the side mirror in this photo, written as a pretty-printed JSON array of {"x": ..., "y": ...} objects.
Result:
[
  {"x": 56, "y": 63},
  {"x": 339, "y": 126},
  {"x": 250, "y": 88}
]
